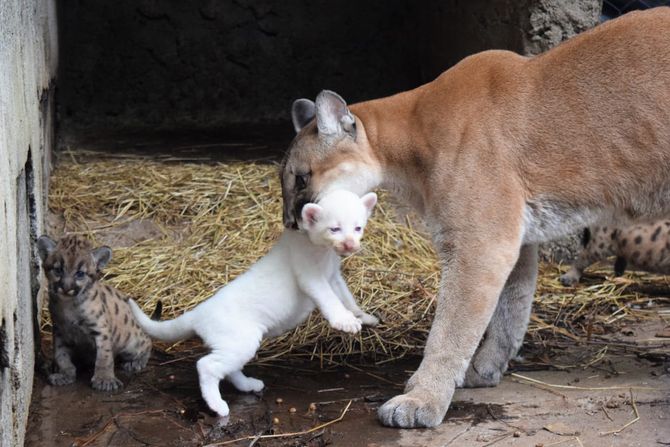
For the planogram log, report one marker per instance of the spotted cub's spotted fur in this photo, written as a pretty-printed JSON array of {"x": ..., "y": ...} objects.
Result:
[
  {"x": 91, "y": 320},
  {"x": 644, "y": 247}
]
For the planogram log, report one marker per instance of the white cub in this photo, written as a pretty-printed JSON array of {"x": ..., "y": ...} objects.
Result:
[{"x": 301, "y": 272}]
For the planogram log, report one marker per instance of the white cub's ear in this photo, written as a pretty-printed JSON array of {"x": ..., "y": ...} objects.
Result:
[
  {"x": 311, "y": 213},
  {"x": 369, "y": 201},
  {"x": 302, "y": 112},
  {"x": 332, "y": 114}
]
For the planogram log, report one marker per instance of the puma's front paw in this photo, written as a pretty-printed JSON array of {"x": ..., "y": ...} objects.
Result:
[
  {"x": 101, "y": 383},
  {"x": 412, "y": 410},
  {"x": 60, "y": 379},
  {"x": 368, "y": 320},
  {"x": 346, "y": 322}
]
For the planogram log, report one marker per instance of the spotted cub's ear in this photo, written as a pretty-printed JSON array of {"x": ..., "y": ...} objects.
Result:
[
  {"x": 45, "y": 246},
  {"x": 102, "y": 256},
  {"x": 311, "y": 213},
  {"x": 369, "y": 201}
]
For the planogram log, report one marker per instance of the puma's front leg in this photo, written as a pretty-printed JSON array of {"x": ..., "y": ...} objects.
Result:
[
  {"x": 507, "y": 328},
  {"x": 476, "y": 264}
]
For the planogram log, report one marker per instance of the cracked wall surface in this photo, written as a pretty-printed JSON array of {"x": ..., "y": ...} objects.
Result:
[{"x": 28, "y": 55}]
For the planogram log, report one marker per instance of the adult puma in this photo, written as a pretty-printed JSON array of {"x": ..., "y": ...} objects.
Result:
[{"x": 499, "y": 153}]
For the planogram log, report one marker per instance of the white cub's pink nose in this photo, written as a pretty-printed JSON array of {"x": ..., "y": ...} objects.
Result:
[{"x": 349, "y": 245}]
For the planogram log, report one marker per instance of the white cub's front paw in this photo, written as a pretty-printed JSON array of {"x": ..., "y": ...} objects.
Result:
[
  {"x": 346, "y": 322},
  {"x": 368, "y": 319}
]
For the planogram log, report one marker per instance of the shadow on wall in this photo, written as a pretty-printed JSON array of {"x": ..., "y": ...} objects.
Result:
[
  {"x": 174, "y": 64},
  {"x": 206, "y": 63}
]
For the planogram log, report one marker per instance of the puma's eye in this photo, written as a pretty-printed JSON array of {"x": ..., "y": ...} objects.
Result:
[
  {"x": 335, "y": 230},
  {"x": 79, "y": 275},
  {"x": 302, "y": 180}
]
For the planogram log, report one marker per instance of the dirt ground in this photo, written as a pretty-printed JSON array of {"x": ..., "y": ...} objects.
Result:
[
  {"x": 622, "y": 398},
  {"x": 161, "y": 406}
]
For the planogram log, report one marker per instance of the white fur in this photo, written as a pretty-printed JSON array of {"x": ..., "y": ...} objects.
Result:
[
  {"x": 545, "y": 221},
  {"x": 301, "y": 272}
]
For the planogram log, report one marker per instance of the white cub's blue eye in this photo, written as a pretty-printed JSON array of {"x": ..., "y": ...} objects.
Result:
[
  {"x": 357, "y": 229},
  {"x": 335, "y": 229}
]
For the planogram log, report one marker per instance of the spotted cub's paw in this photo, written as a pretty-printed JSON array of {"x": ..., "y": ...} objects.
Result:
[
  {"x": 346, "y": 322},
  {"x": 134, "y": 365},
  {"x": 106, "y": 383},
  {"x": 59, "y": 379},
  {"x": 368, "y": 320},
  {"x": 568, "y": 279}
]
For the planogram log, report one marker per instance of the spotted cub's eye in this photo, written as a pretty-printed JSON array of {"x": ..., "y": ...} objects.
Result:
[
  {"x": 79, "y": 275},
  {"x": 335, "y": 229},
  {"x": 302, "y": 180},
  {"x": 357, "y": 229}
]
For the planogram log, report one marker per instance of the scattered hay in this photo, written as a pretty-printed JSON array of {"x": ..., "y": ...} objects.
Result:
[{"x": 215, "y": 220}]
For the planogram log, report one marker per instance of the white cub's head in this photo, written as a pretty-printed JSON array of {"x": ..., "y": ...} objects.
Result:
[{"x": 338, "y": 220}]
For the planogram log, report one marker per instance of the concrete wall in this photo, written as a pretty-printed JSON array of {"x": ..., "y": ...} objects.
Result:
[{"x": 28, "y": 57}]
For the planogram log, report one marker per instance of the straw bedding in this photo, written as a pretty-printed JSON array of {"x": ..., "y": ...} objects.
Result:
[{"x": 214, "y": 220}]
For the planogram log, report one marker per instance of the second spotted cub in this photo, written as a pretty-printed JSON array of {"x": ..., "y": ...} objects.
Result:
[
  {"x": 91, "y": 320},
  {"x": 644, "y": 247},
  {"x": 301, "y": 272}
]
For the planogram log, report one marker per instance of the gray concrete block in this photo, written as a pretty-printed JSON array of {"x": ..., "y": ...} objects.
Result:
[{"x": 28, "y": 51}]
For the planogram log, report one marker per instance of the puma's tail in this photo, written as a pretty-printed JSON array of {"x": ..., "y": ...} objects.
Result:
[{"x": 169, "y": 331}]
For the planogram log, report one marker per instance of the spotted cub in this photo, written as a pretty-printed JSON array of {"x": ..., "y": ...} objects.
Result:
[
  {"x": 91, "y": 320},
  {"x": 644, "y": 247}
]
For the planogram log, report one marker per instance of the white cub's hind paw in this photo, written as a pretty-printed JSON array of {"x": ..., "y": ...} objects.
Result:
[
  {"x": 251, "y": 385},
  {"x": 368, "y": 319},
  {"x": 346, "y": 322}
]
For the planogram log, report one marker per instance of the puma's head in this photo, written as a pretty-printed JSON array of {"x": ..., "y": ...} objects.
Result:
[{"x": 330, "y": 151}]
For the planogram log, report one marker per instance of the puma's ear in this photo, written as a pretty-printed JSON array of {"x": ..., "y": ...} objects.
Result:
[
  {"x": 45, "y": 246},
  {"x": 369, "y": 201},
  {"x": 332, "y": 115},
  {"x": 102, "y": 256},
  {"x": 302, "y": 112},
  {"x": 310, "y": 214}
]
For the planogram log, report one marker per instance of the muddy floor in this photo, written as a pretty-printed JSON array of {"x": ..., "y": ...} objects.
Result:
[
  {"x": 161, "y": 406},
  {"x": 621, "y": 398}
]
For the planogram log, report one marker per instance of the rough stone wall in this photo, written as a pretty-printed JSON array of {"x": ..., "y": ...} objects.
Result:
[
  {"x": 204, "y": 63},
  {"x": 28, "y": 55}
]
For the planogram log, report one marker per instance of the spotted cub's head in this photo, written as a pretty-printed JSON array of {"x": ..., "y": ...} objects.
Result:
[
  {"x": 338, "y": 220},
  {"x": 72, "y": 265}
]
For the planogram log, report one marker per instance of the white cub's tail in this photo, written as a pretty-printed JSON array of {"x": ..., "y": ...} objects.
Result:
[{"x": 169, "y": 331}]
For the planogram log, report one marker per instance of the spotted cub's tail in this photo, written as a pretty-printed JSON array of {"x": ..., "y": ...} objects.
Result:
[{"x": 169, "y": 331}]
